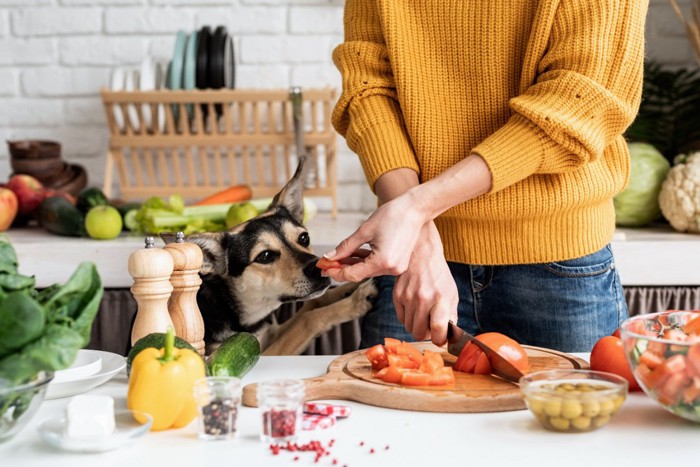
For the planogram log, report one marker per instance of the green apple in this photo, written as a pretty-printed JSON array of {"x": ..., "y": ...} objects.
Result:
[
  {"x": 103, "y": 222},
  {"x": 239, "y": 213}
]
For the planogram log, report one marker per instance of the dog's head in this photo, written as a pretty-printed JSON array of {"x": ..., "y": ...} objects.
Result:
[{"x": 267, "y": 260}]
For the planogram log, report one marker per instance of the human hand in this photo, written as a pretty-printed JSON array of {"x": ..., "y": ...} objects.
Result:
[
  {"x": 391, "y": 232},
  {"x": 425, "y": 296}
]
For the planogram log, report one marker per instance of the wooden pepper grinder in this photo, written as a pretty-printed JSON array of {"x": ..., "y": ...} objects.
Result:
[
  {"x": 151, "y": 269},
  {"x": 184, "y": 312}
]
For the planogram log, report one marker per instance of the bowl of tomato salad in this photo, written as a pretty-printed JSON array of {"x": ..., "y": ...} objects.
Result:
[{"x": 663, "y": 350}]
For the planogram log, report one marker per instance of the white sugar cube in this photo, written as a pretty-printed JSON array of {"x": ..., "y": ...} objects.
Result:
[{"x": 90, "y": 416}]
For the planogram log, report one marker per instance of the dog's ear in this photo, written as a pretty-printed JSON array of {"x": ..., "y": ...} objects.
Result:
[
  {"x": 213, "y": 245},
  {"x": 292, "y": 195}
]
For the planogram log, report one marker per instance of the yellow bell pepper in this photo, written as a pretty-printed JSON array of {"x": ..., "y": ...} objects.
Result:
[{"x": 162, "y": 384}]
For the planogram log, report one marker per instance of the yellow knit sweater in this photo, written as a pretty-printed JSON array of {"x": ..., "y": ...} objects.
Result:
[{"x": 541, "y": 90}]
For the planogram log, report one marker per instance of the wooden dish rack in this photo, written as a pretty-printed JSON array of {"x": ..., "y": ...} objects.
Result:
[{"x": 198, "y": 142}]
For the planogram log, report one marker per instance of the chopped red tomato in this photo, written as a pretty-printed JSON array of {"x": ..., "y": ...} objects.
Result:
[
  {"x": 693, "y": 327},
  {"x": 482, "y": 366},
  {"x": 693, "y": 358},
  {"x": 402, "y": 361},
  {"x": 415, "y": 378},
  {"x": 651, "y": 360},
  {"x": 390, "y": 374},
  {"x": 377, "y": 357},
  {"x": 442, "y": 376},
  {"x": 410, "y": 351},
  {"x": 391, "y": 344},
  {"x": 325, "y": 263},
  {"x": 470, "y": 357},
  {"x": 432, "y": 362}
]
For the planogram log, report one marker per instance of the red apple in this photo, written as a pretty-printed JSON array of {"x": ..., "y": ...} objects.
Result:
[
  {"x": 48, "y": 193},
  {"x": 29, "y": 191},
  {"x": 8, "y": 208}
]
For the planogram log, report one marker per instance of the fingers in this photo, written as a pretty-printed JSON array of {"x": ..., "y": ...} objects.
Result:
[
  {"x": 352, "y": 273},
  {"x": 348, "y": 246},
  {"x": 440, "y": 314}
]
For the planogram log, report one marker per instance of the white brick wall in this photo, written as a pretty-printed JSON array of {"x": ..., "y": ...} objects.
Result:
[{"x": 56, "y": 54}]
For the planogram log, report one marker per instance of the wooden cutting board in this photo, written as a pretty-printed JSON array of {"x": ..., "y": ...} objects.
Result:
[{"x": 349, "y": 377}]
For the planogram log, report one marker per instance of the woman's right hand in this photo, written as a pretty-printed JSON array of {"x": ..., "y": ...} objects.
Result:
[{"x": 391, "y": 233}]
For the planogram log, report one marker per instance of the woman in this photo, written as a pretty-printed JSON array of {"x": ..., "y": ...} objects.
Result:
[{"x": 491, "y": 133}]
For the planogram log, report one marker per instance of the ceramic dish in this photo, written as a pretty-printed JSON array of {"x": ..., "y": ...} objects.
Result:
[
  {"x": 111, "y": 365},
  {"x": 132, "y": 84},
  {"x": 129, "y": 425},
  {"x": 86, "y": 364},
  {"x": 189, "y": 71},
  {"x": 217, "y": 49},
  {"x": 150, "y": 77},
  {"x": 203, "y": 41},
  {"x": 229, "y": 64},
  {"x": 117, "y": 84},
  {"x": 174, "y": 80}
]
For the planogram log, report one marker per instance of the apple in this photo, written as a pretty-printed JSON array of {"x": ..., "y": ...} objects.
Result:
[
  {"x": 48, "y": 193},
  {"x": 8, "y": 208},
  {"x": 29, "y": 192}
]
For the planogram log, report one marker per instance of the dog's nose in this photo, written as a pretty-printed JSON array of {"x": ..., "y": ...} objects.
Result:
[{"x": 311, "y": 271}]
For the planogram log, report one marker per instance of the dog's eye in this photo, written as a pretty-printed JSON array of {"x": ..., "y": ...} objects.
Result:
[
  {"x": 266, "y": 257},
  {"x": 303, "y": 239}
]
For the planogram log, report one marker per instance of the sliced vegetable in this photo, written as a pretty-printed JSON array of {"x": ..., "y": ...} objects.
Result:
[
  {"x": 470, "y": 360},
  {"x": 399, "y": 362}
]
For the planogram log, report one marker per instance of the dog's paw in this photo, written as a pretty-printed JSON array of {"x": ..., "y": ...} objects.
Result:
[{"x": 363, "y": 297}]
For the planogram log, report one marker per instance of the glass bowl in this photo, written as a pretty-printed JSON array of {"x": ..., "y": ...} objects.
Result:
[
  {"x": 573, "y": 400},
  {"x": 19, "y": 403},
  {"x": 129, "y": 425},
  {"x": 665, "y": 359}
]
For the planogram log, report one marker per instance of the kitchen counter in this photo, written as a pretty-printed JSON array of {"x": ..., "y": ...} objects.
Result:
[
  {"x": 641, "y": 434},
  {"x": 654, "y": 256}
]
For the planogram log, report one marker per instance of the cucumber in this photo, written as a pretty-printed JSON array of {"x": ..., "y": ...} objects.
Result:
[
  {"x": 89, "y": 198},
  {"x": 155, "y": 340},
  {"x": 59, "y": 216},
  {"x": 236, "y": 356}
]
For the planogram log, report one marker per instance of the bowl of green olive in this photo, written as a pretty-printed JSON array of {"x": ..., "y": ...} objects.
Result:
[{"x": 573, "y": 401}]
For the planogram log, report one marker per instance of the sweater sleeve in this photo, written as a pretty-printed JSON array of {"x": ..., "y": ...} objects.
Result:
[
  {"x": 587, "y": 92},
  {"x": 368, "y": 114}
]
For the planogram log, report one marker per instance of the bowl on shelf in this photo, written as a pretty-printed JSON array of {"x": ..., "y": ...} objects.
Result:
[
  {"x": 75, "y": 183},
  {"x": 573, "y": 400},
  {"x": 663, "y": 350},
  {"x": 19, "y": 403},
  {"x": 41, "y": 169}
]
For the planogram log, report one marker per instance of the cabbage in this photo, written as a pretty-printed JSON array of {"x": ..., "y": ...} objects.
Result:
[{"x": 638, "y": 204}]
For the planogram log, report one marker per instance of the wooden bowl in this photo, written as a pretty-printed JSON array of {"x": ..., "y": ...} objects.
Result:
[
  {"x": 58, "y": 178},
  {"x": 34, "y": 149},
  {"x": 39, "y": 168},
  {"x": 76, "y": 183}
]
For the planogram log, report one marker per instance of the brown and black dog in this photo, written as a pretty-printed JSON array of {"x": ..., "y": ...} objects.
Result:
[{"x": 254, "y": 268}]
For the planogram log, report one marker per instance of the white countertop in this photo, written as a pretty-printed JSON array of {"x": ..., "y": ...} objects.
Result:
[
  {"x": 641, "y": 434},
  {"x": 654, "y": 256}
]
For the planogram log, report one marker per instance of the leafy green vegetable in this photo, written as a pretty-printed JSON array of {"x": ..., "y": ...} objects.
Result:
[
  {"x": 22, "y": 319},
  {"x": 157, "y": 215}
]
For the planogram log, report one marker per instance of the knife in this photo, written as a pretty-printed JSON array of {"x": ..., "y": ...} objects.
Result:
[{"x": 457, "y": 338}]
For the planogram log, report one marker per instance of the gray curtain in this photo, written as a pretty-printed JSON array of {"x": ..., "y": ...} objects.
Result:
[{"x": 112, "y": 328}]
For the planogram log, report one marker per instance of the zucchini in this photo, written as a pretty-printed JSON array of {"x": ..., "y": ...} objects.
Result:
[
  {"x": 59, "y": 216},
  {"x": 236, "y": 356},
  {"x": 155, "y": 340},
  {"x": 89, "y": 198},
  {"x": 22, "y": 320}
]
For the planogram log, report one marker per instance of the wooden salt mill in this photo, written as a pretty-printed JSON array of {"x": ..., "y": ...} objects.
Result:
[
  {"x": 151, "y": 269},
  {"x": 184, "y": 312}
]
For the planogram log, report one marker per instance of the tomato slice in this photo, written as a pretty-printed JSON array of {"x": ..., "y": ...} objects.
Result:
[
  {"x": 693, "y": 327},
  {"x": 693, "y": 358},
  {"x": 691, "y": 394},
  {"x": 432, "y": 362},
  {"x": 390, "y": 374},
  {"x": 325, "y": 263},
  {"x": 410, "y": 351},
  {"x": 467, "y": 358},
  {"x": 391, "y": 344},
  {"x": 442, "y": 376},
  {"x": 377, "y": 357},
  {"x": 415, "y": 378},
  {"x": 650, "y": 359},
  {"x": 482, "y": 366},
  {"x": 402, "y": 361},
  {"x": 671, "y": 366}
]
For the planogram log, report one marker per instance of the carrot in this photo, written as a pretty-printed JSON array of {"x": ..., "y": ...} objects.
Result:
[{"x": 232, "y": 194}]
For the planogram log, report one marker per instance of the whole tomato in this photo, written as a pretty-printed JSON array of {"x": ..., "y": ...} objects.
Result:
[
  {"x": 608, "y": 355},
  {"x": 473, "y": 360}
]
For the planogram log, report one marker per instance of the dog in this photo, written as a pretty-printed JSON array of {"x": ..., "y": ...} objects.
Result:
[{"x": 249, "y": 271}]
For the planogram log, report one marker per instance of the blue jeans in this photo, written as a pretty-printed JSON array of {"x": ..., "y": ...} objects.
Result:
[{"x": 564, "y": 305}]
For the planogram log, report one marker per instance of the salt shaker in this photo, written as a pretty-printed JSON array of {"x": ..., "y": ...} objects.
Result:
[
  {"x": 218, "y": 400},
  {"x": 281, "y": 403},
  {"x": 151, "y": 268},
  {"x": 183, "y": 309}
]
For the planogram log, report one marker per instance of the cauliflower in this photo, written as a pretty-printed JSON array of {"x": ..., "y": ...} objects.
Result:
[{"x": 679, "y": 198}]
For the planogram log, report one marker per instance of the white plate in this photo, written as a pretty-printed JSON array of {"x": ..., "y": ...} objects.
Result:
[
  {"x": 126, "y": 429},
  {"x": 111, "y": 365},
  {"x": 86, "y": 364},
  {"x": 117, "y": 84},
  {"x": 132, "y": 84}
]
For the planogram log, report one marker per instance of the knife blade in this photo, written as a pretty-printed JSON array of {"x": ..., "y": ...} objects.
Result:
[{"x": 457, "y": 338}]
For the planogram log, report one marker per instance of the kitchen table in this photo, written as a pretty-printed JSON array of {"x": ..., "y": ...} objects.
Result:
[{"x": 641, "y": 434}]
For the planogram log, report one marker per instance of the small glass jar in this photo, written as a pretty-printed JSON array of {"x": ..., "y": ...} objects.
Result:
[
  {"x": 281, "y": 403},
  {"x": 218, "y": 400}
]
